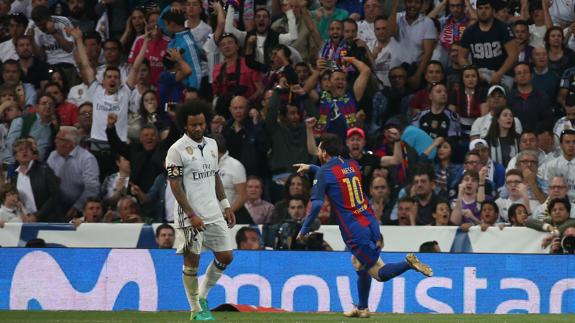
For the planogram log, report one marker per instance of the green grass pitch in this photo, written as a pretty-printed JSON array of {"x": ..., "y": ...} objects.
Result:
[{"x": 174, "y": 317}]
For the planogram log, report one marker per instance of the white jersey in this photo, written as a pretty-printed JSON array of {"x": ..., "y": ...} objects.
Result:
[
  {"x": 8, "y": 51},
  {"x": 197, "y": 164},
  {"x": 103, "y": 105},
  {"x": 387, "y": 58},
  {"x": 54, "y": 53}
]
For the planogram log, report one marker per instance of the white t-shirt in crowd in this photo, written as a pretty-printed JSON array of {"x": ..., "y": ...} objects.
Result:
[
  {"x": 8, "y": 51},
  {"x": 54, "y": 53},
  {"x": 386, "y": 59},
  {"x": 232, "y": 172},
  {"x": 104, "y": 104}
]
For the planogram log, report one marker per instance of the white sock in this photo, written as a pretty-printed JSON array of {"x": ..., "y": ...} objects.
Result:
[
  {"x": 190, "y": 279},
  {"x": 213, "y": 274}
]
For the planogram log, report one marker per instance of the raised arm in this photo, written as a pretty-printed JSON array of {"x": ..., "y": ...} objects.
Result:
[
  {"x": 221, "y": 20},
  {"x": 291, "y": 35},
  {"x": 392, "y": 19},
  {"x": 397, "y": 157},
  {"x": 184, "y": 70},
  {"x": 132, "y": 75},
  {"x": 439, "y": 8},
  {"x": 306, "y": 17},
  {"x": 547, "y": 16},
  {"x": 230, "y": 28},
  {"x": 86, "y": 71},
  {"x": 361, "y": 81}
]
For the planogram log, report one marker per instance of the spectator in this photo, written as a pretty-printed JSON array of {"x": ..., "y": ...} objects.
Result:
[
  {"x": 517, "y": 214},
  {"x": 518, "y": 194},
  {"x": 476, "y": 159},
  {"x": 171, "y": 86},
  {"x": 289, "y": 228},
  {"x": 248, "y": 238},
  {"x": 338, "y": 107},
  {"x": 37, "y": 185},
  {"x": 39, "y": 125},
  {"x": 559, "y": 210},
  {"x": 294, "y": 185},
  {"x": 112, "y": 54},
  {"x": 12, "y": 76},
  {"x": 563, "y": 244},
  {"x": 385, "y": 50},
  {"x": 446, "y": 171},
  {"x": 246, "y": 139},
  {"x": 51, "y": 34},
  {"x": 557, "y": 190},
  {"x": 417, "y": 36},
  {"x": 467, "y": 97},
  {"x": 433, "y": 75},
  {"x": 496, "y": 98},
  {"x": 372, "y": 10},
  {"x": 367, "y": 162},
  {"x": 135, "y": 26},
  {"x": 308, "y": 39},
  {"x": 490, "y": 214},
  {"x": 429, "y": 246},
  {"x": 287, "y": 133},
  {"x": 544, "y": 79},
  {"x": 11, "y": 210},
  {"x": 460, "y": 16},
  {"x": 441, "y": 213},
  {"x": 17, "y": 24},
  {"x": 118, "y": 184},
  {"x": 80, "y": 15},
  {"x": 492, "y": 45},
  {"x": 183, "y": 39},
  {"x": 144, "y": 155},
  {"x": 148, "y": 113},
  {"x": 539, "y": 13},
  {"x": 568, "y": 121},
  {"x": 562, "y": 165},
  {"x": 156, "y": 50},
  {"x": 233, "y": 77},
  {"x": 78, "y": 94},
  {"x": 529, "y": 104},
  {"x": 423, "y": 191},
  {"x": 502, "y": 137},
  {"x": 325, "y": 15},
  {"x": 438, "y": 120},
  {"x": 34, "y": 70},
  {"x": 85, "y": 112},
  {"x": 528, "y": 141},
  {"x": 336, "y": 47},
  {"x": 381, "y": 200},
  {"x": 521, "y": 30},
  {"x": 233, "y": 176},
  {"x": 128, "y": 211},
  {"x": 77, "y": 169},
  {"x": 260, "y": 211},
  {"x": 560, "y": 57},
  {"x": 406, "y": 211},
  {"x": 471, "y": 194},
  {"x": 93, "y": 212},
  {"x": 165, "y": 236},
  {"x": 397, "y": 96},
  {"x": 527, "y": 163},
  {"x": 269, "y": 39},
  {"x": 66, "y": 111}
]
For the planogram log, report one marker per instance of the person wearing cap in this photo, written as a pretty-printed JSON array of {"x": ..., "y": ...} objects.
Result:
[
  {"x": 495, "y": 171},
  {"x": 492, "y": 46},
  {"x": 355, "y": 143},
  {"x": 16, "y": 28},
  {"x": 529, "y": 104},
  {"x": 438, "y": 120},
  {"x": 496, "y": 97},
  {"x": 564, "y": 165}
]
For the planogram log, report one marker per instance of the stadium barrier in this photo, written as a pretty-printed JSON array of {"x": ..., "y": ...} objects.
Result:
[
  {"x": 150, "y": 280},
  {"x": 396, "y": 238}
]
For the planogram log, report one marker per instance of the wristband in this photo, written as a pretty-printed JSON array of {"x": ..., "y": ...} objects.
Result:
[
  {"x": 224, "y": 204},
  {"x": 191, "y": 214}
]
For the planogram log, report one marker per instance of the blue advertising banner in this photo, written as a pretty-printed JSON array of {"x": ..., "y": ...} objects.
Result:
[{"x": 150, "y": 280}]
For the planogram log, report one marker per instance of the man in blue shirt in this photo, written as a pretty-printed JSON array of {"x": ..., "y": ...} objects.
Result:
[{"x": 340, "y": 180}]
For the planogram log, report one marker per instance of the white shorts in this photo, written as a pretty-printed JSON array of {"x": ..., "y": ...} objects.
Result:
[{"x": 215, "y": 237}]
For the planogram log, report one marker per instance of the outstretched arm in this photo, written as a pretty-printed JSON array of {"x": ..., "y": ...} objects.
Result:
[{"x": 86, "y": 71}]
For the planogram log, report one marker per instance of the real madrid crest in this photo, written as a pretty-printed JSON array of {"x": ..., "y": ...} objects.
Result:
[
  {"x": 190, "y": 150},
  {"x": 176, "y": 171}
]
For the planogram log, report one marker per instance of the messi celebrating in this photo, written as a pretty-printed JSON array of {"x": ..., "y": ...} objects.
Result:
[
  {"x": 192, "y": 164},
  {"x": 340, "y": 180}
]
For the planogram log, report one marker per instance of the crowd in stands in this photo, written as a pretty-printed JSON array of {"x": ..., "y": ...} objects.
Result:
[{"x": 458, "y": 112}]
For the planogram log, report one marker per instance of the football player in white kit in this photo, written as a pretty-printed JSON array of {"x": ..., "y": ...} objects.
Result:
[{"x": 192, "y": 165}]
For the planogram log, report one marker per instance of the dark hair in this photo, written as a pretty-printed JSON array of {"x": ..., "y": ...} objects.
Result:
[
  {"x": 489, "y": 202},
  {"x": 164, "y": 226},
  {"x": 512, "y": 211},
  {"x": 350, "y": 21},
  {"x": 515, "y": 172},
  {"x": 521, "y": 22},
  {"x": 298, "y": 197},
  {"x": 305, "y": 184},
  {"x": 221, "y": 142},
  {"x": 92, "y": 199},
  {"x": 441, "y": 201},
  {"x": 471, "y": 173},
  {"x": 406, "y": 199},
  {"x": 192, "y": 108},
  {"x": 566, "y": 132},
  {"x": 424, "y": 169},
  {"x": 93, "y": 35},
  {"x": 175, "y": 17},
  {"x": 37, "y": 242},
  {"x": 65, "y": 84},
  {"x": 379, "y": 18},
  {"x": 262, "y": 9},
  {"x": 114, "y": 69},
  {"x": 18, "y": 18},
  {"x": 52, "y": 83},
  {"x": 519, "y": 64},
  {"x": 331, "y": 144},
  {"x": 142, "y": 110},
  {"x": 241, "y": 234},
  {"x": 548, "y": 34},
  {"x": 40, "y": 13},
  {"x": 428, "y": 246},
  {"x": 114, "y": 41},
  {"x": 255, "y": 178},
  {"x": 8, "y": 188},
  {"x": 565, "y": 201},
  {"x": 493, "y": 134}
]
